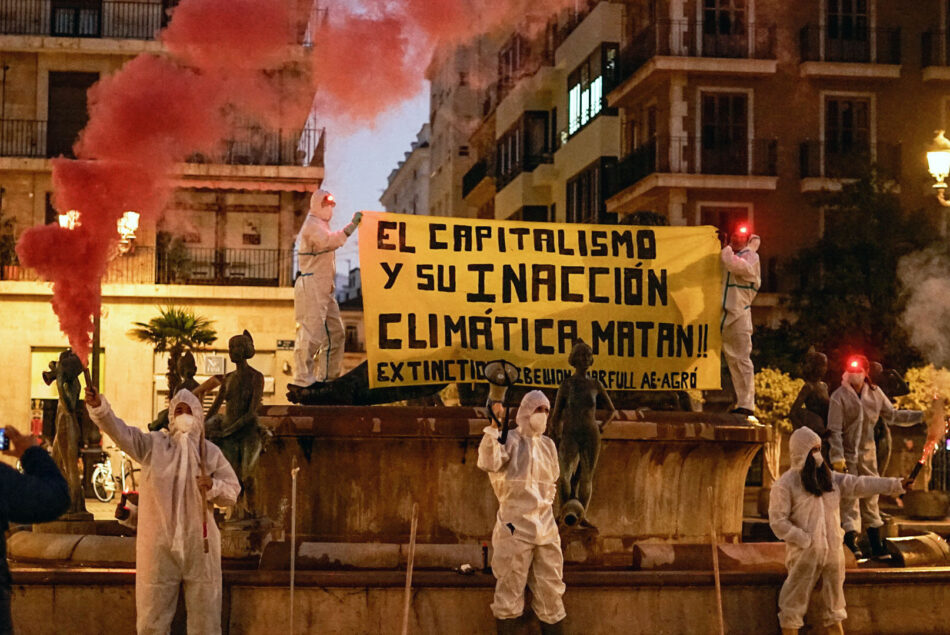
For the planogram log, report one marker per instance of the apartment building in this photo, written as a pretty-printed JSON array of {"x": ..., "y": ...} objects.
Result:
[
  {"x": 711, "y": 111},
  {"x": 229, "y": 256},
  {"x": 407, "y": 188}
]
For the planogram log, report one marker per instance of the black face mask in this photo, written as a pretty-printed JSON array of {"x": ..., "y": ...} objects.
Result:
[{"x": 816, "y": 479}]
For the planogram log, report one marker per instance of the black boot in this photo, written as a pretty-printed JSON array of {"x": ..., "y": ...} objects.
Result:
[
  {"x": 877, "y": 544},
  {"x": 552, "y": 629},
  {"x": 507, "y": 627},
  {"x": 851, "y": 542}
]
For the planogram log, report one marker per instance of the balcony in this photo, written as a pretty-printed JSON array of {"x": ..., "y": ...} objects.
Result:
[
  {"x": 528, "y": 163},
  {"x": 824, "y": 165},
  {"x": 192, "y": 266},
  {"x": 683, "y": 162},
  {"x": 850, "y": 53},
  {"x": 27, "y": 138},
  {"x": 691, "y": 46},
  {"x": 935, "y": 55},
  {"x": 484, "y": 169},
  {"x": 84, "y": 18}
]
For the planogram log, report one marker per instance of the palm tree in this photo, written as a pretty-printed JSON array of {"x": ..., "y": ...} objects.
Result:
[{"x": 176, "y": 330}]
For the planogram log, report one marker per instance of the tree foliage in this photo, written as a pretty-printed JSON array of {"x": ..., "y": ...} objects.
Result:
[
  {"x": 775, "y": 392},
  {"x": 175, "y": 330}
]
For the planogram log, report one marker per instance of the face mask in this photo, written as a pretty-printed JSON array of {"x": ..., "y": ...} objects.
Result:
[
  {"x": 537, "y": 423},
  {"x": 182, "y": 423},
  {"x": 818, "y": 458},
  {"x": 855, "y": 379},
  {"x": 324, "y": 212}
]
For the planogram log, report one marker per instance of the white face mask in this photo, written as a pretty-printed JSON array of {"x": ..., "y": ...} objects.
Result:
[
  {"x": 324, "y": 212},
  {"x": 855, "y": 379},
  {"x": 182, "y": 423},
  {"x": 816, "y": 455},
  {"x": 537, "y": 423}
]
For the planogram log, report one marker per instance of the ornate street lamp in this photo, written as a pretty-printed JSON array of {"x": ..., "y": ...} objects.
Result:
[
  {"x": 69, "y": 220},
  {"x": 938, "y": 160},
  {"x": 127, "y": 226}
]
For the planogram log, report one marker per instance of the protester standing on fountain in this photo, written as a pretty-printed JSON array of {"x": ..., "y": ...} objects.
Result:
[
  {"x": 181, "y": 474},
  {"x": 320, "y": 330},
  {"x": 804, "y": 512},
  {"x": 38, "y": 495},
  {"x": 852, "y": 414},
  {"x": 742, "y": 278},
  {"x": 525, "y": 542}
]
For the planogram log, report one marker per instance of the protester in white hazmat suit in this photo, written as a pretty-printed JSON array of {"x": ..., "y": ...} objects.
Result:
[
  {"x": 742, "y": 278},
  {"x": 320, "y": 331},
  {"x": 526, "y": 544},
  {"x": 853, "y": 412},
  {"x": 173, "y": 503},
  {"x": 804, "y": 512}
]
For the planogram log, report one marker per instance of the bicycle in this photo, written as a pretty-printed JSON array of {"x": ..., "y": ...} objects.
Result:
[{"x": 105, "y": 482}]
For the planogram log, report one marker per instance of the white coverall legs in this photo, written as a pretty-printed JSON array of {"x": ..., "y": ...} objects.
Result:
[
  {"x": 516, "y": 563},
  {"x": 862, "y": 513},
  {"x": 737, "y": 348},
  {"x": 804, "y": 572},
  {"x": 155, "y": 602},
  {"x": 318, "y": 351}
]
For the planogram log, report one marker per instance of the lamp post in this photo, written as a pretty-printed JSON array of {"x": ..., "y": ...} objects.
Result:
[{"x": 938, "y": 161}]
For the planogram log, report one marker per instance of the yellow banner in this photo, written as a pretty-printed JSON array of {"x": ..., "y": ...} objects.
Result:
[{"x": 443, "y": 296}]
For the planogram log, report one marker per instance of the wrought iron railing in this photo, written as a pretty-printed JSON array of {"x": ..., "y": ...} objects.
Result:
[
  {"x": 485, "y": 168},
  {"x": 862, "y": 45},
  {"x": 23, "y": 138},
  {"x": 685, "y": 38},
  {"x": 64, "y": 18},
  {"x": 935, "y": 48},
  {"x": 836, "y": 160}
]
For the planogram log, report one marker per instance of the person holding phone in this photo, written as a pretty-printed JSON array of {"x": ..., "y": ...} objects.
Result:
[{"x": 38, "y": 495}]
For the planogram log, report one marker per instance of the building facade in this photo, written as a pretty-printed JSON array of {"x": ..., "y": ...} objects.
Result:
[
  {"x": 710, "y": 112},
  {"x": 407, "y": 188},
  {"x": 224, "y": 248}
]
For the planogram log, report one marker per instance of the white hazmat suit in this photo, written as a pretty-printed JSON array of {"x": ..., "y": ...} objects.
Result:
[
  {"x": 851, "y": 421},
  {"x": 320, "y": 332},
  {"x": 169, "y": 547},
  {"x": 741, "y": 280},
  {"x": 811, "y": 528},
  {"x": 525, "y": 542}
]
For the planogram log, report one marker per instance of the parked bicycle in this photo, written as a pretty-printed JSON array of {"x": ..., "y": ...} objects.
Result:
[{"x": 105, "y": 482}]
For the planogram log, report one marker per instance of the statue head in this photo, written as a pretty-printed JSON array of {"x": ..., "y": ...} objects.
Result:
[
  {"x": 814, "y": 366},
  {"x": 187, "y": 367},
  {"x": 582, "y": 355},
  {"x": 69, "y": 364},
  {"x": 241, "y": 347},
  {"x": 877, "y": 373},
  {"x": 322, "y": 204}
]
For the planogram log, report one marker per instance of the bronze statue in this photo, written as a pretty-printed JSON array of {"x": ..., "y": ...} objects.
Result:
[
  {"x": 68, "y": 440},
  {"x": 237, "y": 431},
  {"x": 577, "y": 434},
  {"x": 810, "y": 409},
  {"x": 187, "y": 369}
]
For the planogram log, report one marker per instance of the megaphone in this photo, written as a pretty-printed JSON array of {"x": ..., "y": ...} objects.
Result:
[{"x": 500, "y": 375}]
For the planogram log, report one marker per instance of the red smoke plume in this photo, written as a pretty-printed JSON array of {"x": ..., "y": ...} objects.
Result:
[{"x": 222, "y": 57}]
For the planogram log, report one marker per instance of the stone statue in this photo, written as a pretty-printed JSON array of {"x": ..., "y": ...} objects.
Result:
[
  {"x": 68, "y": 440},
  {"x": 237, "y": 431},
  {"x": 893, "y": 386},
  {"x": 810, "y": 409},
  {"x": 577, "y": 434},
  {"x": 187, "y": 369}
]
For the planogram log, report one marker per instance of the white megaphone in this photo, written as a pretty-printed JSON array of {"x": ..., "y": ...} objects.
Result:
[{"x": 501, "y": 375}]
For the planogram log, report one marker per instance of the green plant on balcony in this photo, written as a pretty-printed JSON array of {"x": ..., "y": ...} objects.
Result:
[
  {"x": 8, "y": 257},
  {"x": 175, "y": 330},
  {"x": 175, "y": 261}
]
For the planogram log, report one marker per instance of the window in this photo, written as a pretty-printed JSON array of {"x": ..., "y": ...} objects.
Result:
[
  {"x": 725, "y": 133},
  {"x": 724, "y": 17},
  {"x": 848, "y": 20},
  {"x": 76, "y": 18},
  {"x": 525, "y": 146},
  {"x": 847, "y": 135},
  {"x": 725, "y": 218},
  {"x": 587, "y": 85},
  {"x": 587, "y": 193},
  {"x": 511, "y": 58}
]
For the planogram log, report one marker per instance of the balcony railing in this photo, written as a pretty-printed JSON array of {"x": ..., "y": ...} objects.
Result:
[
  {"x": 935, "y": 48},
  {"x": 685, "y": 155},
  {"x": 684, "y": 38},
  {"x": 525, "y": 164},
  {"x": 24, "y": 138},
  {"x": 107, "y": 19},
  {"x": 485, "y": 168},
  {"x": 857, "y": 45},
  {"x": 849, "y": 161},
  {"x": 27, "y": 138},
  {"x": 258, "y": 146},
  {"x": 197, "y": 266}
]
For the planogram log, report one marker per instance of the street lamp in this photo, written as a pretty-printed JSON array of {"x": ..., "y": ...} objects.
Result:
[
  {"x": 69, "y": 220},
  {"x": 938, "y": 160},
  {"x": 127, "y": 226}
]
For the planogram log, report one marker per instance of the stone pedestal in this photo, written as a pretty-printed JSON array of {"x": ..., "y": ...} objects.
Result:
[
  {"x": 246, "y": 539},
  {"x": 71, "y": 523}
]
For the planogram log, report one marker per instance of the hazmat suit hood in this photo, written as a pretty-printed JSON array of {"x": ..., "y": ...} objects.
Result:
[
  {"x": 318, "y": 209},
  {"x": 800, "y": 444},
  {"x": 753, "y": 245},
  {"x": 529, "y": 404},
  {"x": 180, "y": 472}
]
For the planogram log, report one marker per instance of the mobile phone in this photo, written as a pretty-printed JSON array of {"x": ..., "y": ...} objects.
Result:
[{"x": 4, "y": 440}]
